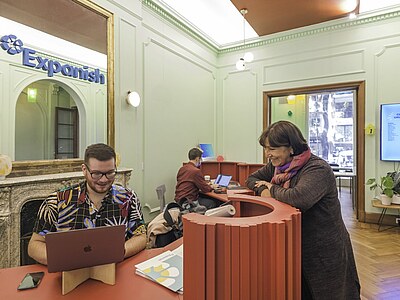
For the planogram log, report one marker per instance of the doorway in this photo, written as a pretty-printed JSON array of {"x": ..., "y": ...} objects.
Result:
[
  {"x": 46, "y": 122},
  {"x": 331, "y": 118}
]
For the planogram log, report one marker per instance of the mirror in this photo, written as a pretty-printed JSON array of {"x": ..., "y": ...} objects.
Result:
[{"x": 81, "y": 22}]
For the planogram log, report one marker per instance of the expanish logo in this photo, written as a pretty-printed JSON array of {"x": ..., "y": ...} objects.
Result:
[{"x": 13, "y": 46}]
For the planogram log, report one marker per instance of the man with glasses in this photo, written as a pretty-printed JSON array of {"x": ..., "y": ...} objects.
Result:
[{"x": 92, "y": 203}]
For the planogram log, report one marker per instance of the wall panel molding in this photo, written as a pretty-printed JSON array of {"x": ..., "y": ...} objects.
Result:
[{"x": 324, "y": 66}]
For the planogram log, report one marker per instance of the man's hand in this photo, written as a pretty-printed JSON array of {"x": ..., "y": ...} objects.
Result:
[{"x": 213, "y": 185}]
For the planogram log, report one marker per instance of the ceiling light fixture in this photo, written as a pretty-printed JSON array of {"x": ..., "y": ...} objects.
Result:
[{"x": 248, "y": 56}]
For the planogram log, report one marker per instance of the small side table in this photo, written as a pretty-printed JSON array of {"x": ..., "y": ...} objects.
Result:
[{"x": 378, "y": 203}]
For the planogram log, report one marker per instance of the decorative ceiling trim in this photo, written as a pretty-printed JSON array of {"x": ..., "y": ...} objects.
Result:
[
  {"x": 339, "y": 24},
  {"x": 178, "y": 23}
]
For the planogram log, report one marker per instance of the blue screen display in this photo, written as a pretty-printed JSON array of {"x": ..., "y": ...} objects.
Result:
[
  {"x": 207, "y": 150},
  {"x": 390, "y": 132}
]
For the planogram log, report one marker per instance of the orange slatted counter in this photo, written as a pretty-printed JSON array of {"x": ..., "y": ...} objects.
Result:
[{"x": 254, "y": 255}]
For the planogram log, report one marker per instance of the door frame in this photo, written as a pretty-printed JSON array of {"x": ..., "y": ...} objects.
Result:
[{"x": 359, "y": 87}]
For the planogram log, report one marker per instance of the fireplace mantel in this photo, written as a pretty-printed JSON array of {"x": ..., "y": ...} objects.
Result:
[{"x": 15, "y": 192}]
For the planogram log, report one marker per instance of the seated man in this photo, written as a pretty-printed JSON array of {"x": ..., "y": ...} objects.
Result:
[
  {"x": 190, "y": 181},
  {"x": 92, "y": 203}
]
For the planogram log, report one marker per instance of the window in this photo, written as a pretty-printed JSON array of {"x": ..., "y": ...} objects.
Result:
[{"x": 326, "y": 120}]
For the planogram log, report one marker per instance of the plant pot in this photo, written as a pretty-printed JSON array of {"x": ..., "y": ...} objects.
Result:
[
  {"x": 396, "y": 199},
  {"x": 385, "y": 199}
]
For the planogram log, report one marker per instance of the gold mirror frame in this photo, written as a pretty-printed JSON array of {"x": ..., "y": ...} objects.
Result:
[{"x": 40, "y": 167}]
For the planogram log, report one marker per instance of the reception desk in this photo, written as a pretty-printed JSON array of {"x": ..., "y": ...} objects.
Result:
[
  {"x": 239, "y": 171},
  {"x": 256, "y": 254}
]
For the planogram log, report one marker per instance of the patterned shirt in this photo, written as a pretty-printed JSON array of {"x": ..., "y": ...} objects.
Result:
[{"x": 71, "y": 208}]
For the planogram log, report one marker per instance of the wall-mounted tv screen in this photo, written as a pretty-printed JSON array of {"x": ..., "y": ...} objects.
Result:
[
  {"x": 208, "y": 151},
  {"x": 390, "y": 132}
]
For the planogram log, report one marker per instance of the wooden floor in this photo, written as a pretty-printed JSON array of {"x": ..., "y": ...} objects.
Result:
[{"x": 377, "y": 254}]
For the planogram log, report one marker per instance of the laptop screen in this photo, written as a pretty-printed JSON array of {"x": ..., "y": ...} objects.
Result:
[
  {"x": 86, "y": 247},
  {"x": 223, "y": 180}
]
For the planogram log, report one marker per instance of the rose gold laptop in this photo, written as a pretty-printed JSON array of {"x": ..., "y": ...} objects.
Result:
[{"x": 75, "y": 249}]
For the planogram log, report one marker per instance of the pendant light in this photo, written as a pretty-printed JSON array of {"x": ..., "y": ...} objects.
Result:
[{"x": 248, "y": 56}]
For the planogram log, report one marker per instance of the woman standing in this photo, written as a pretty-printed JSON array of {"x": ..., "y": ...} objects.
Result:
[{"x": 297, "y": 177}]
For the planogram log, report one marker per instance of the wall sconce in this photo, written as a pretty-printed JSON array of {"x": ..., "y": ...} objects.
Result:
[{"x": 133, "y": 99}]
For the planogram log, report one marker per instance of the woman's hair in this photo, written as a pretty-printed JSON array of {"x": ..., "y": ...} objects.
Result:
[{"x": 284, "y": 133}]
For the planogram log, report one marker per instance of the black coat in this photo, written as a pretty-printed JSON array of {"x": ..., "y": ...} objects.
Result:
[{"x": 328, "y": 265}]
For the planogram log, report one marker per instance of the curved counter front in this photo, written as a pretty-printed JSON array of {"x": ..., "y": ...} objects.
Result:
[{"x": 254, "y": 255}]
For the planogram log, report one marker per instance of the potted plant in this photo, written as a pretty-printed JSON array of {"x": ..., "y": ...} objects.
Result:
[
  {"x": 386, "y": 185},
  {"x": 396, "y": 187}
]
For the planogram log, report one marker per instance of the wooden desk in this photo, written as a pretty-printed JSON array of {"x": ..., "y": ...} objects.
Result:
[
  {"x": 378, "y": 203},
  {"x": 128, "y": 285}
]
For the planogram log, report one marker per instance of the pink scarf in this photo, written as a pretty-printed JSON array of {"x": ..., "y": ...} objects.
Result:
[{"x": 283, "y": 174}]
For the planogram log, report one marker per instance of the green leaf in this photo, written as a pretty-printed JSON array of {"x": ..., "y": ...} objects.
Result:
[
  {"x": 387, "y": 182},
  {"x": 370, "y": 181},
  {"x": 388, "y": 192}
]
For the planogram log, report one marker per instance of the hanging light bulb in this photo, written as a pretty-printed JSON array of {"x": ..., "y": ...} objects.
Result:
[
  {"x": 240, "y": 64},
  {"x": 248, "y": 56}
]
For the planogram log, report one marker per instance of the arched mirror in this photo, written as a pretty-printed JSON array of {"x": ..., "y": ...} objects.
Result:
[{"x": 67, "y": 114}]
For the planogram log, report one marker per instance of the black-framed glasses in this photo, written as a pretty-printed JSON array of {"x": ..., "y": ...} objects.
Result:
[{"x": 97, "y": 175}]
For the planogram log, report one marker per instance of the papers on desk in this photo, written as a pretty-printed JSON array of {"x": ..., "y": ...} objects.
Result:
[{"x": 165, "y": 269}]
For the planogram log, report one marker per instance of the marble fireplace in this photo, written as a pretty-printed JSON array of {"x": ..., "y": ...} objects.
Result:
[{"x": 18, "y": 191}]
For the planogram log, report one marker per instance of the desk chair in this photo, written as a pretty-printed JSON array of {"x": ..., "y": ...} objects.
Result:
[{"x": 160, "y": 190}]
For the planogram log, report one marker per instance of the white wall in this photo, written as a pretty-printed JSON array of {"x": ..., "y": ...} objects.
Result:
[{"x": 176, "y": 78}]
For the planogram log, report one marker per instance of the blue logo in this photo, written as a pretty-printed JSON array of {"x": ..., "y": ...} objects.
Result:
[{"x": 11, "y": 44}]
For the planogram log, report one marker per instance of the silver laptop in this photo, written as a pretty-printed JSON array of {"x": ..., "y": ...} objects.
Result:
[
  {"x": 223, "y": 180},
  {"x": 75, "y": 249}
]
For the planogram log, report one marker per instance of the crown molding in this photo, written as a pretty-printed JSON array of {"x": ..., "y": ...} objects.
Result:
[
  {"x": 181, "y": 25},
  {"x": 329, "y": 26}
]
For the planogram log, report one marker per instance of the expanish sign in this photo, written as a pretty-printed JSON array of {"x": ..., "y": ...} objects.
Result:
[{"x": 13, "y": 46}]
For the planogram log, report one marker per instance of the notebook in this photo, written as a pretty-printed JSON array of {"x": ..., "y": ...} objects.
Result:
[
  {"x": 223, "y": 180},
  {"x": 75, "y": 249}
]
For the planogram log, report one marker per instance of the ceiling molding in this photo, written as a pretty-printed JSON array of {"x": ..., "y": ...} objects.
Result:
[
  {"x": 338, "y": 25},
  {"x": 279, "y": 37},
  {"x": 182, "y": 26}
]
